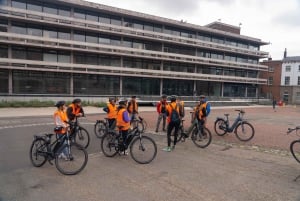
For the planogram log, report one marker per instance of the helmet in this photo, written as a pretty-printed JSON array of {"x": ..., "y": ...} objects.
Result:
[
  {"x": 76, "y": 100},
  {"x": 60, "y": 103},
  {"x": 202, "y": 96},
  {"x": 133, "y": 96},
  {"x": 164, "y": 96},
  {"x": 122, "y": 102},
  {"x": 111, "y": 99},
  {"x": 173, "y": 98}
]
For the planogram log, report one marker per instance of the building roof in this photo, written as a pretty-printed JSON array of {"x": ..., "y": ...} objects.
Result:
[{"x": 291, "y": 59}]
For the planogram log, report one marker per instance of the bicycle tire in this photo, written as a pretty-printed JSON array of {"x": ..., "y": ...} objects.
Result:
[
  {"x": 100, "y": 129},
  {"x": 201, "y": 140},
  {"x": 82, "y": 137},
  {"x": 295, "y": 150},
  {"x": 37, "y": 159},
  {"x": 75, "y": 161},
  {"x": 220, "y": 127},
  {"x": 143, "y": 144},
  {"x": 179, "y": 135},
  {"x": 108, "y": 145},
  {"x": 244, "y": 131}
]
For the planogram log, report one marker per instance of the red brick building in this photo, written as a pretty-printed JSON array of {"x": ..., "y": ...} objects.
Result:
[{"x": 273, "y": 75}]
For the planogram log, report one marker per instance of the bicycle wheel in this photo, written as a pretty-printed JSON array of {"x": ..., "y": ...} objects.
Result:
[
  {"x": 179, "y": 134},
  {"x": 220, "y": 127},
  {"x": 71, "y": 160},
  {"x": 38, "y": 152},
  {"x": 109, "y": 145},
  {"x": 82, "y": 137},
  {"x": 201, "y": 139},
  {"x": 99, "y": 129},
  {"x": 295, "y": 150},
  {"x": 244, "y": 131},
  {"x": 143, "y": 149}
]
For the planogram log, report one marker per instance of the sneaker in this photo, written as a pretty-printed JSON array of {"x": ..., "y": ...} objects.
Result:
[{"x": 167, "y": 149}]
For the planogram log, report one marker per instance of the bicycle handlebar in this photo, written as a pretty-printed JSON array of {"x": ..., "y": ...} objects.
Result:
[
  {"x": 292, "y": 129},
  {"x": 241, "y": 111}
]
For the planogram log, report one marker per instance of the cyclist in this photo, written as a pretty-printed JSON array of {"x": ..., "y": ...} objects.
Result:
[
  {"x": 60, "y": 119},
  {"x": 111, "y": 110},
  {"x": 181, "y": 106},
  {"x": 132, "y": 108},
  {"x": 123, "y": 121},
  {"x": 202, "y": 110},
  {"x": 173, "y": 113},
  {"x": 161, "y": 109},
  {"x": 75, "y": 109}
]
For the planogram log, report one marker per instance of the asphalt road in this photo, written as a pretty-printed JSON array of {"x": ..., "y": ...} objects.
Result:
[{"x": 219, "y": 172}]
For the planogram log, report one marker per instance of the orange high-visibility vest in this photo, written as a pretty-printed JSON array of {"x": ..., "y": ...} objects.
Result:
[
  {"x": 75, "y": 110},
  {"x": 121, "y": 122},
  {"x": 62, "y": 115},
  {"x": 112, "y": 114},
  {"x": 170, "y": 107},
  {"x": 130, "y": 108},
  {"x": 200, "y": 113}
]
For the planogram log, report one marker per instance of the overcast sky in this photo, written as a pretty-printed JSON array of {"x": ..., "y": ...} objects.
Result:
[{"x": 274, "y": 21}]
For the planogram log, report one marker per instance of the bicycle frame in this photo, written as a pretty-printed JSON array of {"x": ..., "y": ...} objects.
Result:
[{"x": 236, "y": 122}]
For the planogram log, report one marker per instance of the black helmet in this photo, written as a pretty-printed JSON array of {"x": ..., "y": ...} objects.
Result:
[
  {"x": 76, "y": 100},
  {"x": 173, "y": 98},
  {"x": 133, "y": 96},
  {"x": 60, "y": 103},
  {"x": 202, "y": 96},
  {"x": 164, "y": 96}
]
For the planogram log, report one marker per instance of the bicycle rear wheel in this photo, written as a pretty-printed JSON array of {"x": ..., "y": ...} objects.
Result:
[
  {"x": 244, "y": 131},
  {"x": 99, "y": 129},
  {"x": 109, "y": 145},
  {"x": 201, "y": 139},
  {"x": 143, "y": 149},
  {"x": 82, "y": 137},
  {"x": 179, "y": 134},
  {"x": 220, "y": 127},
  {"x": 71, "y": 160},
  {"x": 38, "y": 152},
  {"x": 295, "y": 150}
]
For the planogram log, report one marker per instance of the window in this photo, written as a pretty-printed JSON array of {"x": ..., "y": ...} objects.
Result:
[
  {"x": 50, "y": 10},
  {"x": 297, "y": 96},
  {"x": 299, "y": 68},
  {"x": 18, "y": 29},
  {"x": 34, "y": 7},
  {"x": 271, "y": 69},
  {"x": 18, "y": 53},
  {"x": 3, "y": 51},
  {"x": 17, "y": 4},
  {"x": 3, "y": 81},
  {"x": 92, "y": 38},
  {"x": 50, "y": 56},
  {"x": 92, "y": 17},
  {"x": 50, "y": 33},
  {"x": 34, "y": 31},
  {"x": 78, "y": 14},
  {"x": 270, "y": 81},
  {"x": 35, "y": 54},
  {"x": 298, "y": 80},
  {"x": 288, "y": 69},
  {"x": 64, "y": 12},
  {"x": 287, "y": 80},
  {"x": 64, "y": 35},
  {"x": 79, "y": 36}
]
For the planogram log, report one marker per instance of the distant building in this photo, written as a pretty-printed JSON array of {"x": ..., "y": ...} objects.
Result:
[{"x": 51, "y": 48}]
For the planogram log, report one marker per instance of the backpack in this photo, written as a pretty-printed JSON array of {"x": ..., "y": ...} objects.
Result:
[{"x": 175, "y": 115}]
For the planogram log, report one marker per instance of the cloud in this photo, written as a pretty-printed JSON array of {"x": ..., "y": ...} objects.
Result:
[{"x": 290, "y": 18}]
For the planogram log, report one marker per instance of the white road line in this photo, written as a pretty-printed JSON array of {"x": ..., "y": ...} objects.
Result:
[{"x": 32, "y": 125}]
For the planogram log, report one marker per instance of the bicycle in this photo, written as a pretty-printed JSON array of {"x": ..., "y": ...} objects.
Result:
[
  {"x": 243, "y": 130},
  {"x": 201, "y": 136},
  {"x": 79, "y": 134},
  {"x": 140, "y": 123},
  {"x": 295, "y": 146},
  {"x": 70, "y": 158},
  {"x": 101, "y": 127},
  {"x": 143, "y": 149}
]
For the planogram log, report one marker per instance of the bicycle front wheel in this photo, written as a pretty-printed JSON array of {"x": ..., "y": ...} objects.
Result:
[
  {"x": 99, "y": 129},
  {"x": 220, "y": 127},
  {"x": 38, "y": 151},
  {"x": 244, "y": 131},
  {"x": 109, "y": 145},
  {"x": 295, "y": 150},
  {"x": 82, "y": 137},
  {"x": 71, "y": 160},
  {"x": 201, "y": 138},
  {"x": 143, "y": 149}
]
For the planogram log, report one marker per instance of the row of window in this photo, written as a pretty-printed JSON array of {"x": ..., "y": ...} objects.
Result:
[
  {"x": 33, "y": 82},
  {"x": 289, "y": 68},
  {"x": 127, "y": 22},
  {"x": 287, "y": 80}
]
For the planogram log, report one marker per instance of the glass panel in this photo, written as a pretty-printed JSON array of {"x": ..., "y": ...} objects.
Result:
[
  {"x": 64, "y": 35},
  {"x": 3, "y": 2},
  {"x": 18, "y": 29},
  {"x": 50, "y": 33},
  {"x": 157, "y": 28},
  {"x": 79, "y": 58},
  {"x": 64, "y": 57},
  {"x": 3, "y": 81},
  {"x": 116, "y": 21},
  {"x": 208, "y": 88},
  {"x": 79, "y": 14},
  {"x": 92, "y": 38},
  {"x": 34, "y": 7},
  {"x": 79, "y": 36},
  {"x": 50, "y": 10},
  {"x": 50, "y": 56},
  {"x": 91, "y": 59},
  {"x": 115, "y": 41},
  {"x": 64, "y": 12},
  {"x": 19, "y": 53},
  {"x": 104, "y": 19},
  {"x": 178, "y": 87},
  {"x": 35, "y": 54},
  {"x": 140, "y": 86},
  {"x": 17, "y": 4},
  {"x": 92, "y": 17},
  {"x": 104, "y": 39},
  {"x": 34, "y": 31},
  {"x": 3, "y": 51},
  {"x": 234, "y": 90}
]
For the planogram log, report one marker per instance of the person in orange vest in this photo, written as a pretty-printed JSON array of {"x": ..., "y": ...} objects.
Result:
[
  {"x": 123, "y": 121},
  {"x": 61, "y": 126},
  {"x": 202, "y": 111},
  {"x": 181, "y": 106},
  {"x": 111, "y": 110},
  {"x": 161, "y": 109},
  {"x": 75, "y": 110},
  {"x": 132, "y": 108},
  {"x": 173, "y": 113}
]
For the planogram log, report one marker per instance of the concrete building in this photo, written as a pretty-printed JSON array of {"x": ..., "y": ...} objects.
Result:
[{"x": 72, "y": 48}]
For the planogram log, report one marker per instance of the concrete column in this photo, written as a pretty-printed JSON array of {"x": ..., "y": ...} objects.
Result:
[
  {"x": 10, "y": 82},
  {"x": 161, "y": 87},
  {"x": 71, "y": 85},
  {"x": 222, "y": 89}
]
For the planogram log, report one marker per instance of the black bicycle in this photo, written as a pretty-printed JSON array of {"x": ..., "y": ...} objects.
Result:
[
  {"x": 140, "y": 123},
  {"x": 101, "y": 127},
  {"x": 243, "y": 130},
  {"x": 70, "y": 158},
  {"x": 295, "y": 146},
  {"x": 143, "y": 149},
  {"x": 79, "y": 134},
  {"x": 201, "y": 136}
]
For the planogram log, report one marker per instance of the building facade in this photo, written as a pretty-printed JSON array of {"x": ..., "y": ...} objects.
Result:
[
  {"x": 290, "y": 80},
  {"x": 272, "y": 89},
  {"x": 78, "y": 48}
]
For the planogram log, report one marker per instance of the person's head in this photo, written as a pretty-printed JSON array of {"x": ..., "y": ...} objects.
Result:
[
  {"x": 164, "y": 97},
  {"x": 77, "y": 102},
  {"x": 133, "y": 98},
  {"x": 112, "y": 100},
  {"x": 173, "y": 98},
  {"x": 60, "y": 104},
  {"x": 202, "y": 98},
  {"x": 122, "y": 103}
]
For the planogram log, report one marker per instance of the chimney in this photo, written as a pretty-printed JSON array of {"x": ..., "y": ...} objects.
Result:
[{"x": 285, "y": 53}]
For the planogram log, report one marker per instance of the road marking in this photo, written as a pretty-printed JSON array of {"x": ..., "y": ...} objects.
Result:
[{"x": 32, "y": 125}]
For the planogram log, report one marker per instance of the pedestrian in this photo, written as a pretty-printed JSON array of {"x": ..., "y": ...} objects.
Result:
[
  {"x": 161, "y": 108},
  {"x": 202, "y": 111},
  {"x": 75, "y": 110},
  {"x": 111, "y": 110},
  {"x": 132, "y": 108},
  {"x": 173, "y": 119},
  {"x": 274, "y": 105}
]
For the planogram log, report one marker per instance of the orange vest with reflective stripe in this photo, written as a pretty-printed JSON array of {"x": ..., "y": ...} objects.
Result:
[
  {"x": 170, "y": 107},
  {"x": 75, "y": 110},
  {"x": 112, "y": 111},
  {"x": 130, "y": 108},
  {"x": 202, "y": 106},
  {"x": 121, "y": 122},
  {"x": 62, "y": 115}
]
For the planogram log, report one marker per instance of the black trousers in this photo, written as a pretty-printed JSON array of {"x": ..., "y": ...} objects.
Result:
[{"x": 171, "y": 126}]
